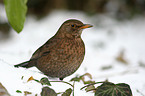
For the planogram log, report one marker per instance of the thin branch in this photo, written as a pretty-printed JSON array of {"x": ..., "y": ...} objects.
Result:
[
  {"x": 140, "y": 92},
  {"x": 63, "y": 82},
  {"x": 91, "y": 84},
  {"x": 73, "y": 87}
]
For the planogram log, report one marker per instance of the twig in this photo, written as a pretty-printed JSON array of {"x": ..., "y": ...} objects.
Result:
[
  {"x": 73, "y": 87},
  {"x": 63, "y": 82},
  {"x": 140, "y": 92},
  {"x": 91, "y": 84},
  {"x": 68, "y": 84}
]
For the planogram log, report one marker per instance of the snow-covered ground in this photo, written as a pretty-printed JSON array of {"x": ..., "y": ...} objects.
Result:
[{"x": 103, "y": 42}]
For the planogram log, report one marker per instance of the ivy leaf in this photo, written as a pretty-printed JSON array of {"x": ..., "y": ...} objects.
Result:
[
  {"x": 67, "y": 92},
  {"x": 111, "y": 89},
  {"x": 16, "y": 13},
  {"x": 45, "y": 81},
  {"x": 46, "y": 91}
]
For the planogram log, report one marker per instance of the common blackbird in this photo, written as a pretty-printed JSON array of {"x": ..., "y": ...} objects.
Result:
[{"x": 62, "y": 54}]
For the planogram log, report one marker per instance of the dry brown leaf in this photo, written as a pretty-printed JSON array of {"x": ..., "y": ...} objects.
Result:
[
  {"x": 27, "y": 93},
  {"x": 88, "y": 74},
  {"x": 90, "y": 88},
  {"x": 31, "y": 78},
  {"x": 3, "y": 91},
  {"x": 121, "y": 58},
  {"x": 83, "y": 79}
]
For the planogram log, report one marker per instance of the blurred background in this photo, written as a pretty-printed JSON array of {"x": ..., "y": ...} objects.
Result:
[
  {"x": 115, "y": 47},
  {"x": 119, "y": 9}
]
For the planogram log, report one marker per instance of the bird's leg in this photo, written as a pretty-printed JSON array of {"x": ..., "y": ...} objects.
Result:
[{"x": 61, "y": 79}]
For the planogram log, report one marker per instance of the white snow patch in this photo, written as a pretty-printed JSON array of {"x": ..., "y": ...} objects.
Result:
[{"x": 103, "y": 43}]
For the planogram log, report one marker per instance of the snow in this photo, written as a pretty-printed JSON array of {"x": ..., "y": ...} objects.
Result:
[{"x": 103, "y": 43}]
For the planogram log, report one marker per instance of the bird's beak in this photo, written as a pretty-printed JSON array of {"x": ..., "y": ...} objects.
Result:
[{"x": 86, "y": 26}]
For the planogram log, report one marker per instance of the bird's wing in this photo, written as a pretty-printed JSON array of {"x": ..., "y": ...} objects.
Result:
[{"x": 44, "y": 49}]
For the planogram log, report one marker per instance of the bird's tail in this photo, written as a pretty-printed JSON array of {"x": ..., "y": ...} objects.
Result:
[{"x": 24, "y": 64}]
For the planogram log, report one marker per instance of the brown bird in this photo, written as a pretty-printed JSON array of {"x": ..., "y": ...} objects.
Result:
[{"x": 62, "y": 54}]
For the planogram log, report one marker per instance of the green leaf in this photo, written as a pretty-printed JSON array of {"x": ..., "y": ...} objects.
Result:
[
  {"x": 111, "y": 89},
  {"x": 67, "y": 92},
  {"x": 16, "y": 13},
  {"x": 45, "y": 81},
  {"x": 46, "y": 91},
  {"x": 18, "y": 91}
]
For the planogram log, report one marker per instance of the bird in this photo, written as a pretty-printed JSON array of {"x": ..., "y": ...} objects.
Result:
[{"x": 62, "y": 54}]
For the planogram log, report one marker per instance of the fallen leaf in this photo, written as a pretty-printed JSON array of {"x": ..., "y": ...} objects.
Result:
[
  {"x": 31, "y": 78},
  {"x": 27, "y": 93},
  {"x": 121, "y": 58},
  {"x": 106, "y": 67},
  {"x": 18, "y": 91},
  {"x": 22, "y": 77},
  {"x": 141, "y": 64}
]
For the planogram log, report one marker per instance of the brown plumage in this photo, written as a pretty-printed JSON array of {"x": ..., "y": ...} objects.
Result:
[{"x": 62, "y": 54}]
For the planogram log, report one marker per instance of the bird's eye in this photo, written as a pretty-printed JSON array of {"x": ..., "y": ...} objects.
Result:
[{"x": 72, "y": 25}]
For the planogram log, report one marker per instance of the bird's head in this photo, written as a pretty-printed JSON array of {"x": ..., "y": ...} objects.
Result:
[{"x": 72, "y": 28}]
